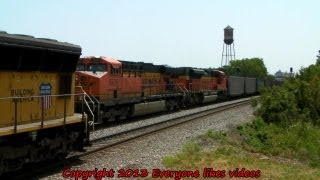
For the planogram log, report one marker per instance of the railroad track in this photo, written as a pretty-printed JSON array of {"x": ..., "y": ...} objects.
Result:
[
  {"x": 123, "y": 137},
  {"x": 110, "y": 141}
]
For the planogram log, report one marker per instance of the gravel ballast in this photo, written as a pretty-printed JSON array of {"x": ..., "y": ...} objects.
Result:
[
  {"x": 148, "y": 152},
  {"x": 132, "y": 125}
]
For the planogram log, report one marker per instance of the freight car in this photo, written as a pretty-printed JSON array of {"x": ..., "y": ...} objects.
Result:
[
  {"x": 260, "y": 85},
  {"x": 37, "y": 101},
  {"x": 121, "y": 89},
  {"x": 245, "y": 86},
  {"x": 236, "y": 86},
  {"x": 250, "y": 85}
]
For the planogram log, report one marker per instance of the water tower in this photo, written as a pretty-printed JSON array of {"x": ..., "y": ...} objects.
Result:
[{"x": 228, "y": 52}]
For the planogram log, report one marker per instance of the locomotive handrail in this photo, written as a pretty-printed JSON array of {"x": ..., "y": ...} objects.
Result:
[
  {"x": 98, "y": 108},
  {"x": 15, "y": 100},
  {"x": 91, "y": 123},
  {"x": 181, "y": 89},
  {"x": 185, "y": 89},
  {"x": 88, "y": 96},
  {"x": 95, "y": 99},
  {"x": 52, "y": 95}
]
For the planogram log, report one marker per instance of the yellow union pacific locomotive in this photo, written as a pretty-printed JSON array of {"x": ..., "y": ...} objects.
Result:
[{"x": 37, "y": 100}]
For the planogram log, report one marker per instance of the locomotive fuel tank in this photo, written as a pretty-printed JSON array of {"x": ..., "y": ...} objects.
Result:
[
  {"x": 149, "y": 107},
  {"x": 211, "y": 98}
]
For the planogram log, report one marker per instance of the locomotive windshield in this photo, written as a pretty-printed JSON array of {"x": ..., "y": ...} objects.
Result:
[
  {"x": 97, "y": 67},
  {"x": 80, "y": 67}
]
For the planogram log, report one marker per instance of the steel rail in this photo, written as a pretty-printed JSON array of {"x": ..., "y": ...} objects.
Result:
[{"x": 159, "y": 126}]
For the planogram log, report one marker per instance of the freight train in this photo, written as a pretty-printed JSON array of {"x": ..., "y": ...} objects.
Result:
[
  {"x": 38, "y": 121},
  {"x": 50, "y": 96},
  {"x": 122, "y": 89}
]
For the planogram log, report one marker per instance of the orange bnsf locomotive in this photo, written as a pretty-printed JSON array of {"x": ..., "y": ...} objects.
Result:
[
  {"x": 37, "y": 100},
  {"x": 121, "y": 89}
]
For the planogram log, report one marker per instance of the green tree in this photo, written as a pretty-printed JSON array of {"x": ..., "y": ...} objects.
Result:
[
  {"x": 318, "y": 60},
  {"x": 307, "y": 74},
  {"x": 253, "y": 67},
  {"x": 270, "y": 77},
  {"x": 298, "y": 99}
]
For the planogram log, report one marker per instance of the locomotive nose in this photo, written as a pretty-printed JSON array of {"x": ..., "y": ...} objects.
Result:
[{"x": 81, "y": 80}]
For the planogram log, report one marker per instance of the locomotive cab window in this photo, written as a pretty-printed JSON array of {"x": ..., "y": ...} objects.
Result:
[
  {"x": 97, "y": 67},
  {"x": 81, "y": 67},
  {"x": 115, "y": 70}
]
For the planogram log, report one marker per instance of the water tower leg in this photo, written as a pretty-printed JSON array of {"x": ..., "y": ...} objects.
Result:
[
  {"x": 222, "y": 55},
  {"x": 234, "y": 52}
]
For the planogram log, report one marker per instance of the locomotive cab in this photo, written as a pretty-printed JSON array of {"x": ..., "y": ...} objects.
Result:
[{"x": 99, "y": 77}]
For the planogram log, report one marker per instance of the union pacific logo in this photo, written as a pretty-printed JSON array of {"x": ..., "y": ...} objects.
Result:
[{"x": 45, "y": 93}]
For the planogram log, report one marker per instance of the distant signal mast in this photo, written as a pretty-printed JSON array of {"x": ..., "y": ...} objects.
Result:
[{"x": 228, "y": 52}]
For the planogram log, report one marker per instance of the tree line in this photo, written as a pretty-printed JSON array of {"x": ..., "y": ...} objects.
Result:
[{"x": 248, "y": 67}]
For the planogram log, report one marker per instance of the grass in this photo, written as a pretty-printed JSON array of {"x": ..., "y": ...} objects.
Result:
[
  {"x": 298, "y": 141},
  {"x": 278, "y": 153}
]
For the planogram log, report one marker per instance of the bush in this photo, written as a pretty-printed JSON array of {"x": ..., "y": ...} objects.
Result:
[
  {"x": 296, "y": 99},
  {"x": 299, "y": 140},
  {"x": 278, "y": 105},
  {"x": 254, "y": 102}
]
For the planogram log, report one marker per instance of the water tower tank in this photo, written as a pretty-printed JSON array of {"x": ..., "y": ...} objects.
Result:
[{"x": 228, "y": 35}]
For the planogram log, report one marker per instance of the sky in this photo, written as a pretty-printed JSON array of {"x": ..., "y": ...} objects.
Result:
[{"x": 175, "y": 32}]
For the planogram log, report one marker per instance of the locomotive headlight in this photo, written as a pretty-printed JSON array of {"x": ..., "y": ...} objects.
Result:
[{"x": 77, "y": 77}]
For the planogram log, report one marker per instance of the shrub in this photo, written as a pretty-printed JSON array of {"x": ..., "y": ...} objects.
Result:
[
  {"x": 278, "y": 105},
  {"x": 299, "y": 140}
]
